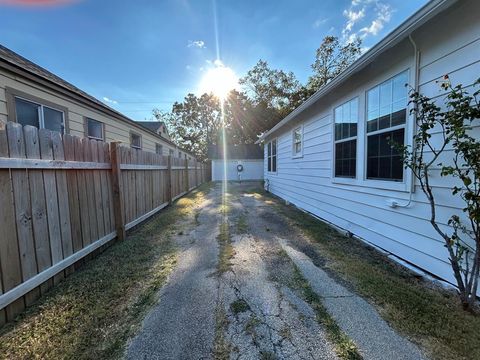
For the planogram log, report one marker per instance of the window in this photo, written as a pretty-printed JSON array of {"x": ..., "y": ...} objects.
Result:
[
  {"x": 135, "y": 141},
  {"x": 346, "y": 119},
  {"x": 170, "y": 152},
  {"x": 386, "y": 118},
  {"x": 272, "y": 156},
  {"x": 180, "y": 154},
  {"x": 38, "y": 115},
  {"x": 95, "y": 129},
  {"x": 159, "y": 149},
  {"x": 297, "y": 138}
]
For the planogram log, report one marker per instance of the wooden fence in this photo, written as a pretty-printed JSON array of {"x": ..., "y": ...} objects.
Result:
[{"x": 63, "y": 197}]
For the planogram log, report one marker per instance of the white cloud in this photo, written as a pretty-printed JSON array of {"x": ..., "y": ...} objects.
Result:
[
  {"x": 196, "y": 43},
  {"x": 188, "y": 67},
  {"x": 218, "y": 62},
  {"x": 352, "y": 18},
  {"x": 319, "y": 22},
  {"x": 384, "y": 14},
  {"x": 110, "y": 101}
]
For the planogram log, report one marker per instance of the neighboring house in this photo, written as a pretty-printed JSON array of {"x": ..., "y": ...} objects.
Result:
[
  {"x": 332, "y": 156},
  {"x": 243, "y": 162},
  {"x": 31, "y": 95},
  {"x": 158, "y": 127}
]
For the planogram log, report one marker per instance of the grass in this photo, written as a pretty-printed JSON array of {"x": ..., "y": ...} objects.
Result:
[
  {"x": 427, "y": 314},
  {"x": 239, "y": 306},
  {"x": 242, "y": 226},
  {"x": 221, "y": 347},
  {"x": 226, "y": 251},
  {"x": 93, "y": 313},
  {"x": 344, "y": 346}
]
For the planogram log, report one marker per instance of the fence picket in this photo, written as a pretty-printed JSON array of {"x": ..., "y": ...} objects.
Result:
[
  {"x": 51, "y": 194},
  {"x": 57, "y": 206}
]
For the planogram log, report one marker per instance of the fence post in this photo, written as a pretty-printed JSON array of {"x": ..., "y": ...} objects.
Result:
[
  {"x": 169, "y": 180},
  {"x": 117, "y": 189},
  {"x": 187, "y": 185}
]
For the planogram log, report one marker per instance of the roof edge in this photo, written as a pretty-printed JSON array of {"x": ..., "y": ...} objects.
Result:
[
  {"x": 18, "y": 70},
  {"x": 417, "y": 19}
]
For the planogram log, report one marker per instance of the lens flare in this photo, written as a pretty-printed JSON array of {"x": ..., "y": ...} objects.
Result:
[{"x": 219, "y": 80}]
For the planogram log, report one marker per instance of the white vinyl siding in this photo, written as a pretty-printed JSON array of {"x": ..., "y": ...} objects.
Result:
[{"x": 361, "y": 205}]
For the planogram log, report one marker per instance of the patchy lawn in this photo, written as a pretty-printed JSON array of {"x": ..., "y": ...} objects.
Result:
[
  {"x": 427, "y": 314},
  {"x": 93, "y": 313}
]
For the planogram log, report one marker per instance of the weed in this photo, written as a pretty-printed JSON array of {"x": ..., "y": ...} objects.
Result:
[{"x": 239, "y": 306}]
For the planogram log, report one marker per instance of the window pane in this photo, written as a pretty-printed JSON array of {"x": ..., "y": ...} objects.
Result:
[
  {"x": 383, "y": 160},
  {"x": 345, "y": 158},
  {"x": 274, "y": 147},
  {"x": 136, "y": 142},
  {"x": 27, "y": 112},
  {"x": 400, "y": 91},
  {"x": 95, "y": 129},
  {"x": 269, "y": 163},
  {"x": 53, "y": 119},
  {"x": 269, "y": 149},
  {"x": 159, "y": 149},
  {"x": 346, "y": 118},
  {"x": 387, "y": 103},
  {"x": 274, "y": 164}
]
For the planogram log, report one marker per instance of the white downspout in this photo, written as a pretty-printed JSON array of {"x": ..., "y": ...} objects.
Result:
[{"x": 416, "y": 76}]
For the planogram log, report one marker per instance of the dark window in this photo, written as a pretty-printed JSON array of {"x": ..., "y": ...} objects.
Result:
[
  {"x": 384, "y": 162},
  {"x": 386, "y": 118},
  {"x": 297, "y": 141},
  {"x": 135, "y": 141},
  {"x": 346, "y": 119},
  {"x": 346, "y": 158},
  {"x": 38, "y": 115},
  {"x": 159, "y": 149},
  {"x": 52, "y": 119},
  {"x": 272, "y": 156},
  {"x": 94, "y": 129}
]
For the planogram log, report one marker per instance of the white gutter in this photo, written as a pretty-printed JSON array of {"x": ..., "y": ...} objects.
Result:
[{"x": 428, "y": 11}]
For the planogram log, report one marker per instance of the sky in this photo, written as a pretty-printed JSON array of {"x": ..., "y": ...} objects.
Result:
[{"x": 142, "y": 54}]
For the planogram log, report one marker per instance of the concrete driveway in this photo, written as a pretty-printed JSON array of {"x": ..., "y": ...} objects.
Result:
[{"x": 235, "y": 293}]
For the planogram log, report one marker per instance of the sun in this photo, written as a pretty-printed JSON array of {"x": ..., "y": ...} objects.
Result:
[{"x": 219, "y": 80}]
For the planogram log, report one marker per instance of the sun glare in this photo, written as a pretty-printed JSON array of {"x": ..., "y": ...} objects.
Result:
[{"x": 219, "y": 80}]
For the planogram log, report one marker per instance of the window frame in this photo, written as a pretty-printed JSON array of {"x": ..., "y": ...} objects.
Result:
[
  {"x": 406, "y": 178},
  {"x": 294, "y": 154},
  {"x": 86, "y": 119},
  {"x": 157, "y": 146},
  {"x": 11, "y": 94},
  {"x": 132, "y": 134},
  {"x": 351, "y": 138},
  {"x": 269, "y": 157}
]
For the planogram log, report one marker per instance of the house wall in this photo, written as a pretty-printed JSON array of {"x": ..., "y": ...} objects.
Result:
[
  {"x": 252, "y": 170},
  {"x": 115, "y": 129},
  {"x": 450, "y": 44}
]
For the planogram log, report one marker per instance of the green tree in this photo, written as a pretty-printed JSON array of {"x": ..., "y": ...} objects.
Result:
[
  {"x": 331, "y": 58},
  {"x": 271, "y": 88},
  {"x": 455, "y": 150},
  {"x": 193, "y": 123}
]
